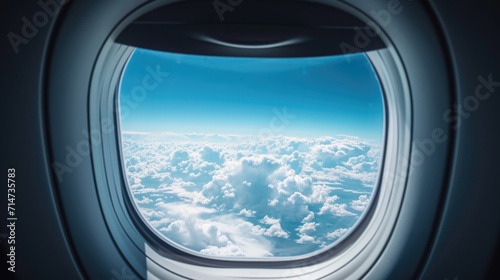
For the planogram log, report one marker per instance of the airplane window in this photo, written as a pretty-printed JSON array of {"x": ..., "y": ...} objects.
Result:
[{"x": 251, "y": 157}]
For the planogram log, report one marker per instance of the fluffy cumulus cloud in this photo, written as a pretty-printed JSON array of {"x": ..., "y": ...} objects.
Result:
[
  {"x": 227, "y": 195},
  {"x": 335, "y": 208},
  {"x": 361, "y": 203},
  {"x": 337, "y": 233}
]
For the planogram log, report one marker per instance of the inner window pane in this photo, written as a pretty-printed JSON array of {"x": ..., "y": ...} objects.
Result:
[{"x": 251, "y": 157}]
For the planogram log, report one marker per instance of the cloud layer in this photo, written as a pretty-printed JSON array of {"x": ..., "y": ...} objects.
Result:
[{"x": 228, "y": 195}]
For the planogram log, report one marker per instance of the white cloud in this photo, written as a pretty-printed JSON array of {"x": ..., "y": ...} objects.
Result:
[
  {"x": 144, "y": 200},
  {"x": 275, "y": 229},
  {"x": 242, "y": 196},
  {"x": 230, "y": 250},
  {"x": 297, "y": 197},
  {"x": 247, "y": 213},
  {"x": 308, "y": 218},
  {"x": 304, "y": 238},
  {"x": 218, "y": 234},
  {"x": 361, "y": 203},
  {"x": 273, "y": 202},
  {"x": 335, "y": 208},
  {"x": 337, "y": 233},
  {"x": 307, "y": 228}
]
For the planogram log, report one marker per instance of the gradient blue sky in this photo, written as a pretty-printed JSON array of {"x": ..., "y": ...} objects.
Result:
[{"x": 204, "y": 94}]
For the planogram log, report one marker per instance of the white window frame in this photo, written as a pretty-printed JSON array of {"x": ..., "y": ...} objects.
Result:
[{"x": 361, "y": 248}]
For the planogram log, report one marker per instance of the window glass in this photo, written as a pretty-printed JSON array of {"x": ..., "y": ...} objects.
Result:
[{"x": 250, "y": 157}]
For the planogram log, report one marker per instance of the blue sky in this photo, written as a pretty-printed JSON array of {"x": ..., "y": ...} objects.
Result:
[{"x": 327, "y": 95}]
